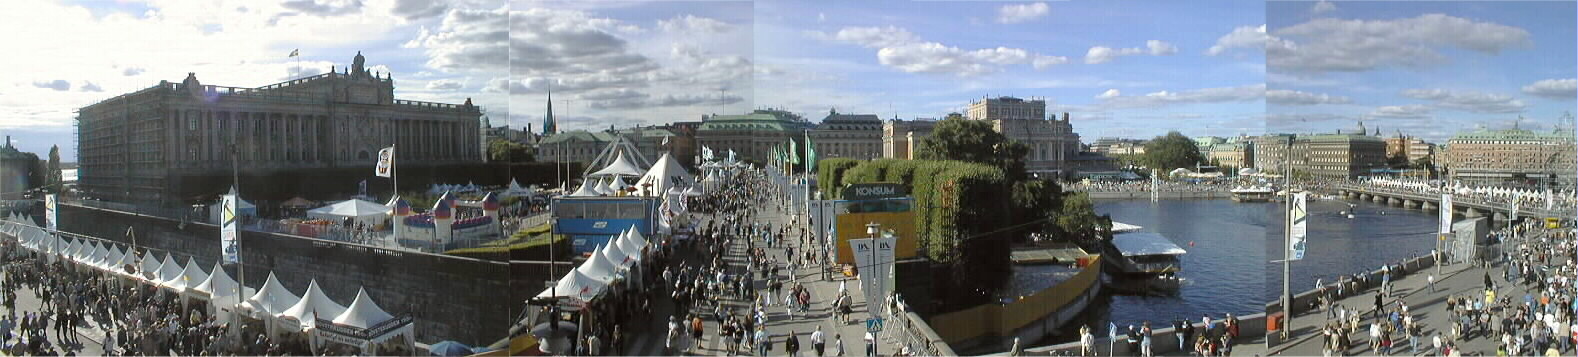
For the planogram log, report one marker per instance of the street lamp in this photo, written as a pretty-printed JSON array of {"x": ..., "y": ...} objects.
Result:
[{"x": 871, "y": 230}]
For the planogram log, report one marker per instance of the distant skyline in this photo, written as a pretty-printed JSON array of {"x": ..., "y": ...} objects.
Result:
[{"x": 1428, "y": 69}]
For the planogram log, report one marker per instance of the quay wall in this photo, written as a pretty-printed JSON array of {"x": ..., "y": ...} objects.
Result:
[
  {"x": 1028, "y": 318},
  {"x": 451, "y": 298}
]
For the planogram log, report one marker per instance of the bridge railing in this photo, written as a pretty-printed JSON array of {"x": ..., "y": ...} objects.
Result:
[
  {"x": 913, "y": 332},
  {"x": 1559, "y": 211}
]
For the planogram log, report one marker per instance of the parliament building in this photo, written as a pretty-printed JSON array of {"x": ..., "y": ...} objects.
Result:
[{"x": 145, "y": 145}]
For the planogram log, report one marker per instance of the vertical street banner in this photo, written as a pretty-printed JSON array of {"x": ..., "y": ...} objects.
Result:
[
  {"x": 884, "y": 272},
  {"x": 1550, "y": 203},
  {"x": 1514, "y": 216},
  {"x": 51, "y": 213},
  {"x": 1446, "y": 213},
  {"x": 385, "y": 162},
  {"x": 864, "y": 250},
  {"x": 1298, "y": 220},
  {"x": 228, "y": 232}
]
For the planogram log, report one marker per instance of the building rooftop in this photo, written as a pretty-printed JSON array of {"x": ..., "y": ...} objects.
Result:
[
  {"x": 1514, "y": 135},
  {"x": 578, "y": 135},
  {"x": 760, "y": 119}
]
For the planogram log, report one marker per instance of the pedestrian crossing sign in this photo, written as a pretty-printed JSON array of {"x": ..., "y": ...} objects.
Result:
[{"x": 874, "y": 324}]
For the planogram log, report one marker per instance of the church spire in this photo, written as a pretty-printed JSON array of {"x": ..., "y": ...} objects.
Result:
[{"x": 549, "y": 124}]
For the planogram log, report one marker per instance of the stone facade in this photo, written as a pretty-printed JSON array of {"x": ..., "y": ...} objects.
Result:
[
  {"x": 1339, "y": 155},
  {"x": 1007, "y": 108},
  {"x": 900, "y": 138},
  {"x": 1052, "y": 142},
  {"x": 141, "y": 146},
  {"x": 855, "y": 136},
  {"x": 1270, "y": 152},
  {"x": 1513, "y": 155},
  {"x": 1233, "y": 155}
]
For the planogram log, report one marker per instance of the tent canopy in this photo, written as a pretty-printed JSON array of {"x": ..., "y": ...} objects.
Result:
[
  {"x": 664, "y": 174},
  {"x": 576, "y": 285},
  {"x": 218, "y": 283},
  {"x": 189, "y": 277},
  {"x": 598, "y": 268},
  {"x": 362, "y": 211},
  {"x": 273, "y": 299},
  {"x": 620, "y": 167},
  {"x": 587, "y": 189},
  {"x": 169, "y": 270},
  {"x": 363, "y": 312},
  {"x": 313, "y": 304}
]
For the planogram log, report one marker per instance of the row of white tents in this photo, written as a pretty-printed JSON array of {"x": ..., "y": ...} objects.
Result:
[
  {"x": 276, "y": 305},
  {"x": 585, "y": 283},
  {"x": 666, "y": 174}
]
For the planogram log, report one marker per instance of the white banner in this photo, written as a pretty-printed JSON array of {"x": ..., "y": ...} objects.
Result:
[
  {"x": 1298, "y": 221},
  {"x": 385, "y": 161},
  {"x": 228, "y": 232},
  {"x": 1446, "y": 213},
  {"x": 874, "y": 259},
  {"x": 52, "y": 214}
]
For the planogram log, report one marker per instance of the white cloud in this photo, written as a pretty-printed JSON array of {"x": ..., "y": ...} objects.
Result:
[
  {"x": 1017, "y": 13},
  {"x": 1110, "y": 93},
  {"x": 1103, "y": 54},
  {"x": 417, "y": 9},
  {"x": 467, "y": 40},
  {"x": 903, "y": 50},
  {"x": 693, "y": 24},
  {"x": 1553, "y": 88},
  {"x": 446, "y": 84},
  {"x": 1322, "y": 7},
  {"x": 1469, "y": 101},
  {"x": 821, "y": 17},
  {"x": 57, "y": 85},
  {"x": 324, "y": 7},
  {"x": 1241, "y": 37},
  {"x": 1194, "y": 96},
  {"x": 1327, "y": 45},
  {"x": 131, "y": 71},
  {"x": 1411, "y": 111},
  {"x": 1293, "y": 97},
  {"x": 89, "y": 87}
]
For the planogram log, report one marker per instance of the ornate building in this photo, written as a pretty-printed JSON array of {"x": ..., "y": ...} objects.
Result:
[
  {"x": 1271, "y": 151},
  {"x": 1512, "y": 155},
  {"x": 752, "y": 136},
  {"x": 1339, "y": 155},
  {"x": 855, "y": 136},
  {"x": 146, "y": 145},
  {"x": 1052, "y": 142}
]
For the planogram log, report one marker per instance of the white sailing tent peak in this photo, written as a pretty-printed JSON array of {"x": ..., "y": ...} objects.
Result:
[
  {"x": 598, "y": 268},
  {"x": 272, "y": 299},
  {"x": 586, "y": 190},
  {"x": 313, "y": 303},
  {"x": 367, "y": 213},
  {"x": 664, "y": 174},
  {"x": 169, "y": 270},
  {"x": 189, "y": 277},
  {"x": 619, "y": 167},
  {"x": 574, "y": 284},
  {"x": 363, "y": 312}
]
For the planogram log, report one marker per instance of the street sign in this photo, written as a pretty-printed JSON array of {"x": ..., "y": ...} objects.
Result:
[
  {"x": 874, "y": 325},
  {"x": 874, "y": 190}
]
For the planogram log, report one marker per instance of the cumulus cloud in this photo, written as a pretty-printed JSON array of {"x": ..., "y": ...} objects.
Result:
[
  {"x": 1469, "y": 101},
  {"x": 900, "y": 49},
  {"x": 1163, "y": 98},
  {"x": 1553, "y": 88},
  {"x": 324, "y": 7},
  {"x": 1017, "y": 13},
  {"x": 131, "y": 71},
  {"x": 1103, "y": 54},
  {"x": 58, "y": 85},
  {"x": 1241, "y": 37},
  {"x": 1411, "y": 111},
  {"x": 692, "y": 24},
  {"x": 1335, "y": 45},
  {"x": 667, "y": 100},
  {"x": 1293, "y": 97},
  {"x": 467, "y": 39},
  {"x": 89, "y": 87},
  {"x": 418, "y": 9},
  {"x": 445, "y": 84},
  {"x": 545, "y": 42},
  {"x": 1322, "y": 7}
]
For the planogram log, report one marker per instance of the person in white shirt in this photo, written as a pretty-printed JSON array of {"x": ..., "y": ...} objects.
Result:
[
  {"x": 1087, "y": 342},
  {"x": 816, "y": 341}
]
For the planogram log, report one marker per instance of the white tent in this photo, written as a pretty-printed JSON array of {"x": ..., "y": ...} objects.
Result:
[
  {"x": 664, "y": 174},
  {"x": 218, "y": 283},
  {"x": 587, "y": 190},
  {"x": 635, "y": 237},
  {"x": 620, "y": 167},
  {"x": 364, "y": 314},
  {"x": 616, "y": 185},
  {"x": 272, "y": 299},
  {"x": 515, "y": 190},
  {"x": 189, "y": 277},
  {"x": 601, "y": 188},
  {"x": 598, "y": 268},
  {"x": 367, "y": 213},
  {"x": 114, "y": 261},
  {"x": 149, "y": 267},
  {"x": 169, "y": 270},
  {"x": 101, "y": 255},
  {"x": 313, "y": 303},
  {"x": 614, "y": 254},
  {"x": 575, "y": 284},
  {"x": 629, "y": 249},
  {"x": 693, "y": 191}
]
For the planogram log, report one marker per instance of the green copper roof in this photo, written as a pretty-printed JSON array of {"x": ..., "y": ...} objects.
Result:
[
  {"x": 578, "y": 135},
  {"x": 760, "y": 119}
]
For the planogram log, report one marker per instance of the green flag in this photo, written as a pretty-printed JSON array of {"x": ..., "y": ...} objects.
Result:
[
  {"x": 810, "y": 155},
  {"x": 794, "y": 155}
]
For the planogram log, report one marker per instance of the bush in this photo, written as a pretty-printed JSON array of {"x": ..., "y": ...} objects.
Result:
[{"x": 830, "y": 173}]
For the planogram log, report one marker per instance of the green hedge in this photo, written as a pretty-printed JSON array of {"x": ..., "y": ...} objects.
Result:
[{"x": 830, "y": 175}]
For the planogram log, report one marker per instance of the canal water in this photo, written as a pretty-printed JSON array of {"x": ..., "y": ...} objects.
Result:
[{"x": 1228, "y": 268}]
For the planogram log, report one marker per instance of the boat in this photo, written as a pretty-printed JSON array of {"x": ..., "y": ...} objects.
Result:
[
  {"x": 1252, "y": 194},
  {"x": 1142, "y": 262}
]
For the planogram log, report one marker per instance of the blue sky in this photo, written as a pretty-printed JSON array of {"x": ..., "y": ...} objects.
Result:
[
  {"x": 809, "y": 57},
  {"x": 1428, "y": 69}
]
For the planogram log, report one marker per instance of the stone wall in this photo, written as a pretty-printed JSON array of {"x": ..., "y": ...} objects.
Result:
[{"x": 461, "y": 299}]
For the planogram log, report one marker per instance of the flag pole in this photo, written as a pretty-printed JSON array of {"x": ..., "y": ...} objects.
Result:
[{"x": 393, "y": 172}]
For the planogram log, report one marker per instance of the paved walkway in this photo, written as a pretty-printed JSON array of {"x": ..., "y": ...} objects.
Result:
[
  {"x": 779, "y": 324},
  {"x": 90, "y": 336}
]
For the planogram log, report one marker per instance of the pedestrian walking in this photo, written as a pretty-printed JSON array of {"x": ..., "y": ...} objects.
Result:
[{"x": 817, "y": 343}]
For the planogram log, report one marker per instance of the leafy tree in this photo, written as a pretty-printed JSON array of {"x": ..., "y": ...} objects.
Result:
[
  {"x": 52, "y": 176},
  {"x": 974, "y": 141},
  {"x": 501, "y": 150},
  {"x": 1172, "y": 151},
  {"x": 1078, "y": 218}
]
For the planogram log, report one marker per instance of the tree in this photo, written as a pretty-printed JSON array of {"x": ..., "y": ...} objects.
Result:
[
  {"x": 52, "y": 176},
  {"x": 1078, "y": 218},
  {"x": 1172, "y": 151},
  {"x": 501, "y": 150},
  {"x": 974, "y": 141}
]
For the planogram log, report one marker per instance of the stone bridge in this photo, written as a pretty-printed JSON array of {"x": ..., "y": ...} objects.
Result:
[{"x": 1468, "y": 206}]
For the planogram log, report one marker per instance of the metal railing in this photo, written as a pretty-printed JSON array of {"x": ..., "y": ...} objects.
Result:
[
  {"x": 913, "y": 332},
  {"x": 1459, "y": 200}
]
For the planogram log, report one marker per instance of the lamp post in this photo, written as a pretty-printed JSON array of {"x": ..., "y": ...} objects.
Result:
[{"x": 871, "y": 231}]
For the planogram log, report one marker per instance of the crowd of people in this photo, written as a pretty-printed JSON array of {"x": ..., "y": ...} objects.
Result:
[{"x": 1493, "y": 195}]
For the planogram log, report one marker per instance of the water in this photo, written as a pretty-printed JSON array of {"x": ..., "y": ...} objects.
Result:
[
  {"x": 1377, "y": 235},
  {"x": 1228, "y": 269}
]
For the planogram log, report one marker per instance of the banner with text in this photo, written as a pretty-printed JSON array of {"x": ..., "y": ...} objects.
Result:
[
  {"x": 1446, "y": 213},
  {"x": 1298, "y": 220},
  {"x": 228, "y": 232},
  {"x": 874, "y": 259}
]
